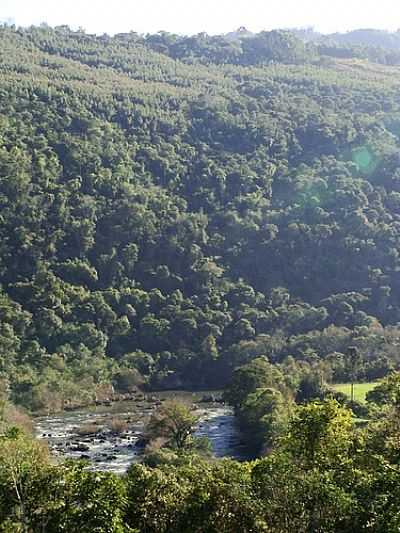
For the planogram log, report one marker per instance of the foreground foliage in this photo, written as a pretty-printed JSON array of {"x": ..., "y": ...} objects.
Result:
[{"x": 323, "y": 475}]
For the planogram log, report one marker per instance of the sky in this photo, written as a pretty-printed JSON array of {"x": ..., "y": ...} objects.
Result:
[{"x": 195, "y": 16}]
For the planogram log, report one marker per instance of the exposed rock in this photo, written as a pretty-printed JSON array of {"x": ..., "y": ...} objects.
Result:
[
  {"x": 141, "y": 442},
  {"x": 79, "y": 447}
]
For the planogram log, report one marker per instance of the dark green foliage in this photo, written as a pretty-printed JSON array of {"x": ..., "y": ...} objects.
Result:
[
  {"x": 188, "y": 212},
  {"x": 172, "y": 208},
  {"x": 387, "y": 392},
  {"x": 311, "y": 387},
  {"x": 258, "y": 374}
]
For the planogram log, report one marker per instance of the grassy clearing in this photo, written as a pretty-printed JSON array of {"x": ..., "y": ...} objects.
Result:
[{"x": 360, "y": 389}]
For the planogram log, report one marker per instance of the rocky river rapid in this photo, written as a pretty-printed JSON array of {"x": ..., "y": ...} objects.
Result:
[{"x": 110, "y": 437}]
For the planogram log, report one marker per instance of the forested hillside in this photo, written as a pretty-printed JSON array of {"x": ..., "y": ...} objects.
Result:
[
  {"x": 174, "y": 207},
  {"x": 363, "y": 37}
]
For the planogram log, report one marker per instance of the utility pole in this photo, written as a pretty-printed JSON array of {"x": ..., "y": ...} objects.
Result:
[{"x": 353, "y": 359}]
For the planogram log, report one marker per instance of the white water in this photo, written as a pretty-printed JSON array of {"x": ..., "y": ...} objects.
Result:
[{"x": 116, "y": 453}]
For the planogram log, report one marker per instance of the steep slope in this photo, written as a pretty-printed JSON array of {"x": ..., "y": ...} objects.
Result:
[{"x": 165, "y": 219}]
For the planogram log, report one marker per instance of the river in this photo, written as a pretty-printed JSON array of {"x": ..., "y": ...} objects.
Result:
[{"x": 87, "y": 433}]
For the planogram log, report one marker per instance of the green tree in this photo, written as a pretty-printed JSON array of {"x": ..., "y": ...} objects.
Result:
[
  {"x": 23, "y": 463},
  {"x": 246, "y": 379},
  {"x": 320, "y": 434},
  {"x": 174, "y": 423},
  {"x": 387, "y": 392},
  {"x": 263, "y": 417}
]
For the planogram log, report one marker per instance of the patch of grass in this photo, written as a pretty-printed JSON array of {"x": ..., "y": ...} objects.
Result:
[
  {"x": 360, "y": 389},
  {"x": 118, "y": 426},
  {"x": 88, "y": 429}
]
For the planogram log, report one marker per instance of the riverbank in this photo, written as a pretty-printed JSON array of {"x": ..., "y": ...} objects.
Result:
[{"x": 135, "y": 396}]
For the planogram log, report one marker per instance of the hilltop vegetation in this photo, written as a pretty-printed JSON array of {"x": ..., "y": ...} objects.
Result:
[
  {"x": 172, "y": 208},
  {"x": 360, "y": 38}
]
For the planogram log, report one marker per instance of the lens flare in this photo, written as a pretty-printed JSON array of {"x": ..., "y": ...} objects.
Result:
[{"x": 364, "y": 158}]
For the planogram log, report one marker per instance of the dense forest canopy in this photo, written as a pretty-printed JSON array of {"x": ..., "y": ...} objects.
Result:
[{"x": 174, "y": 207}]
